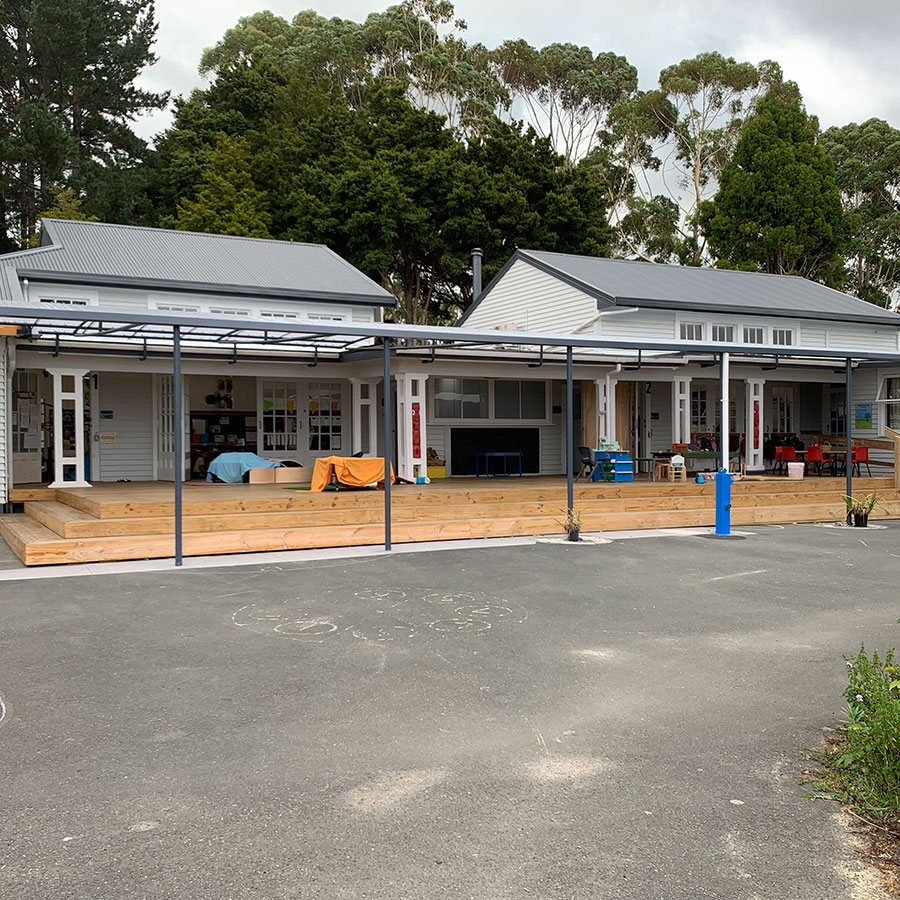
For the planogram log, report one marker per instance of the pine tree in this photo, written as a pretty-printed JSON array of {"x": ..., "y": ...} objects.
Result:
[
  {"x": 67, "y": 97},
  {"x": 229, "y": 202},
  {"x": 778, "y": 208}
]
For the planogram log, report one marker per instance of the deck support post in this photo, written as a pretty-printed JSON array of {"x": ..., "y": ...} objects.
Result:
[
  {"x": 178, "y": 437},
  {"x": 388, "y": 445},
  {"x": 848, "y": 433},
  {"x": 570, "y": 432}
]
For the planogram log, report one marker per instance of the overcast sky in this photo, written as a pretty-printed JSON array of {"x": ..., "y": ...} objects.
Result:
[{"x": 842, "y": 54}]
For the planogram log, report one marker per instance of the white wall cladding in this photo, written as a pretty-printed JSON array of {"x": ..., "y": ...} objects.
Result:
[
  {"x": 813, "y": 335},
  {"x": 125, "y": 300},
  {"x": 527, "y": 299},
  {"x": 862, "y": 337},
  {"x": 649, "y": 324},
  {"x": 129, "y": 397}
]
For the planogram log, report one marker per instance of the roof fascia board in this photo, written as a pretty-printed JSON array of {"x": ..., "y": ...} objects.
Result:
[
  {"x": 388, "y": 331},
  {"x": 755, "y": 311},
  {"x": 196, "y": 287}
]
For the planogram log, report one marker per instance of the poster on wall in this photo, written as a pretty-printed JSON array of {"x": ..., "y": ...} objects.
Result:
[{"x": 863, "y": 415}]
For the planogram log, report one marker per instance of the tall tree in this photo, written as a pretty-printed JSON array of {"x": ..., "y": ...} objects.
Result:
[
  {"x": 690, "y": 123},
  {"x": 67, "y": 81},
  {"x": 778, "y": 208},
  {"x": 229, "y": 202},
  {"x": 564, "y": 91},
  {"x": 867, "y": 169}
]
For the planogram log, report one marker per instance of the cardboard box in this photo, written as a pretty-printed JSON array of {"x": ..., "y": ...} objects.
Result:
[
  {"x": 262, "y": 476},
  {"x": 437, "y": 472},
  {"x": 293, "y": 475}
]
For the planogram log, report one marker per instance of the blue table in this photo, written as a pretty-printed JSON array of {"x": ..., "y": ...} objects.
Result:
[{"x": 506, "y": 455}]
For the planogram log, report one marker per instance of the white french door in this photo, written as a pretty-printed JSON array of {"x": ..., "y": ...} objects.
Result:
[
  {"x": 164, "y": 419},
  {"x": 278, "y": 419}
]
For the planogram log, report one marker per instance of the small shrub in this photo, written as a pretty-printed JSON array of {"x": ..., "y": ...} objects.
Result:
[{"x": 864, "y": 768}]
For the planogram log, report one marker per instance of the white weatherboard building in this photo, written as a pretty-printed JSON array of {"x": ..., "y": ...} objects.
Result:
[{"x": 79, "y": 407}]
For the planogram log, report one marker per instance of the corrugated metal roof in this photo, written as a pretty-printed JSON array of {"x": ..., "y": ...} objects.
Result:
[
  {"x": 130, "y": 253},
  {"x": 632, "y": 283}
]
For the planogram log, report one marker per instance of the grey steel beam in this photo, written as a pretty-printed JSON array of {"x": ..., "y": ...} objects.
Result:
[
  {"x": 388, "y": 446},
  {"x": 848, "y": 434},
  {"x": 570, "y": 432},
  {"x": 456, "y": 335},
  {"x": 178, "y": 435}
]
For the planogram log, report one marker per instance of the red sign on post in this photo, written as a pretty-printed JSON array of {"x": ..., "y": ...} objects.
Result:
[
  {"x": 756, "y": 424},
  {"x": 416, "y": 433}
]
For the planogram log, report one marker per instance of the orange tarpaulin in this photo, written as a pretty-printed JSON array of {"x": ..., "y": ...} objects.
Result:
[{"x": 354, "y": 471}]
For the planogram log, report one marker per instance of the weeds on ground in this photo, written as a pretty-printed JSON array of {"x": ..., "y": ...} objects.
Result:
[{"x": 863, "y": 768}]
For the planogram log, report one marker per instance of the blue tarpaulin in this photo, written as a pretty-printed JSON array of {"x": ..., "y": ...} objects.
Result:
[{"x": 232, "y": 467}]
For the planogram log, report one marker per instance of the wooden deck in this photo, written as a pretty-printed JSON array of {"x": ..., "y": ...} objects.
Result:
[{"x": 135, "y": 520}]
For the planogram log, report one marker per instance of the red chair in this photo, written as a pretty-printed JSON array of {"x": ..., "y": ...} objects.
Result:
[
  {"x": 788, "y": 455},
  {"x": 814, "y": 455},
  {"x": 778, "y": 463},
  {"x": 860, "y": 455}
]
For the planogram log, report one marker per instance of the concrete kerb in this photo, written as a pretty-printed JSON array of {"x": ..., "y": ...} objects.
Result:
[{"x": 301, "y": 556}]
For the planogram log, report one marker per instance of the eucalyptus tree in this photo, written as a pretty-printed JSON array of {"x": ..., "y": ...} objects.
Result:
[
  {"x": 867, "y": 169},
  {"x": 563, "y": 91}
]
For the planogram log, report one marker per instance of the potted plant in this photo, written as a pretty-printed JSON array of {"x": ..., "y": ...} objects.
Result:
[
  {"x": 860, "y": 508},
  {"x": 571, "y": 524}
]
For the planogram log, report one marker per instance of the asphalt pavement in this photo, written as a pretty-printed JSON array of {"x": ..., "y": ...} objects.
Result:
[{"x": 621, "y": 721}]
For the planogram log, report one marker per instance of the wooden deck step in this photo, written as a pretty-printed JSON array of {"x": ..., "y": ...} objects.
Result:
[
  {"x": 69, "y": 522},
  {"x": 37, "y": 545}
]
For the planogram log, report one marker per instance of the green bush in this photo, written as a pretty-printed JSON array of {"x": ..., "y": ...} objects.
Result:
[{"x": 864, "y": 769}]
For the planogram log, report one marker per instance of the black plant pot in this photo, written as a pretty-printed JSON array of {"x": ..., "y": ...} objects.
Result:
[
  {"x": 861, "y": 520},
  {"x": 573, "y": 535}
]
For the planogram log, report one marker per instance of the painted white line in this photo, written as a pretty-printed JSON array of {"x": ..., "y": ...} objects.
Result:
[
  {"x": 2, "y": 710},
  {"x": 735, "y": 575}
]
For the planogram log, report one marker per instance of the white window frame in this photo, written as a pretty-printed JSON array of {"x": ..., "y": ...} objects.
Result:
[
  {"x": 717, "y": 325},
  {"x": 241, "y": 312},
  {"x": 690, "y": 324},
  {"x": 491, "y": 419},
  {"x": 790, "y": 332},
  {"x": 760, "y": 328},
  {"x": 173, "y": 306}
]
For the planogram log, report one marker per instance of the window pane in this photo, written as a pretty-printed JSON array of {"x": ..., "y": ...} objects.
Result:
[
  {"x": 474, "y": 398},
  {"x": 534, "y": 397},
  {"x": 782, "y": 336},
  {"x": 723, "y": 333},
  {"x": 691, "y": 331},
  {"x": 753, "y": 336},
  {"x": 506, "y": 400},
  {"x": 447, "y": 398}
]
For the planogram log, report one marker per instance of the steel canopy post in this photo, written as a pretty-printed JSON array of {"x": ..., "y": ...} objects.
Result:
[
  {"x": 388, "y": 443},
  {"x": 570, "y": 432},
  {"x": 724, "y": 434},
  {"x": 848, "y": 435},
  {"x": 178, "y": 437}
]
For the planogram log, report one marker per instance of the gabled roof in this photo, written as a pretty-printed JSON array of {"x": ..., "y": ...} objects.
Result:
[
  {"x": 643, "y": 284},
  {"x": 98, "y": 253}
]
